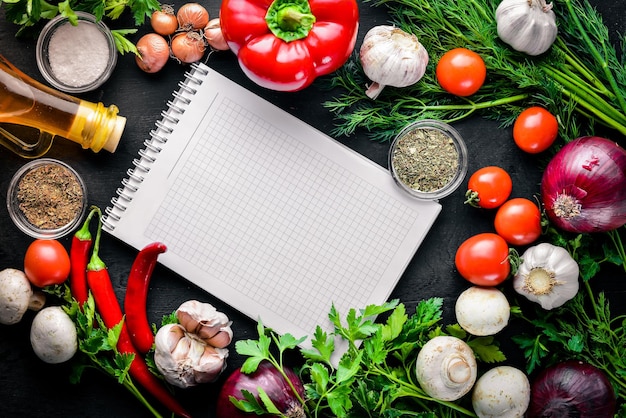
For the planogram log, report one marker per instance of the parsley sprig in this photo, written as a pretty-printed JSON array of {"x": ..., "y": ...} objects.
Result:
[
  {"x": 29, "y": 14},
  {"x": 366, "y": 368},
  {"x": 97, "y": 345}
]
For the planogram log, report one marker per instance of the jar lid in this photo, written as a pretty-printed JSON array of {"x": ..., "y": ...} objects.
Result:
[
  {"x": 46, "y": 199},
  {"x": 428, "y": 159},
  {"x": 76, "y": 58}
]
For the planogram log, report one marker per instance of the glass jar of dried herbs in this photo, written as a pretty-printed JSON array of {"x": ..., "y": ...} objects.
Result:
[
  {"x": 46, "y": 198},
  {"x": 428, "y": 159}
]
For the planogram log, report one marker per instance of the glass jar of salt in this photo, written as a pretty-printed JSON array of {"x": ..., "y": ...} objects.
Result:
[{"x": 76, "y": 57}]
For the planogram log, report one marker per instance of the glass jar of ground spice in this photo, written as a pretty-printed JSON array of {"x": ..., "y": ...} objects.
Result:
[
  {"x": 428, "y": 159},
  {"x": 46, "y": 198}
]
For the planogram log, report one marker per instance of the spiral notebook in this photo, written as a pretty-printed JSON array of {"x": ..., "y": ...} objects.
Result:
[{"x": 265, "y": 212}]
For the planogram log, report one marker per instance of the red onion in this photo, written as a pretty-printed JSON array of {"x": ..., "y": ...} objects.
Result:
[
  {"x": 272, "y": 382},
  {"x": 571, "y": 389},
  {"x": 584, "y": 186}
]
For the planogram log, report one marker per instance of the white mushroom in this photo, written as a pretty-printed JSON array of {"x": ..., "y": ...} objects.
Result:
[
  {"x": 482, "y": 310},
  {"x": 53, "y": 335},
  {"x": 446, "y": 368},
  {"x": 503, "y": 392},
  {"x": 17, "y": 296}
]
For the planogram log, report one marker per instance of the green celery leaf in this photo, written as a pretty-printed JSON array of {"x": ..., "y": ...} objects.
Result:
[
  {"x": 323, "y": 347},
  {"x": 267, "y": 402},
  {"x": 348, "y": 367},
  {"x": 576, "y": 343},
  {"x": 249, "y": 403},
  {"x": 339, "y": 400},
  {"x": 288, "y": 341},
  {"x": 320, "y": 378},
  {"x": 533, "y": 348},
  {"x": 142, "y": 9},
  {"x": 394, "y": 325},
  {"x": 486, "y": 349},
  {"x": 375, "y": 348}
]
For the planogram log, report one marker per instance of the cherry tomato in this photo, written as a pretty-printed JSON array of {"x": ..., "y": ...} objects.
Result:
[
  {"x": 461, "y": 72},
  {"x": 535, "y": 130},
  {"x": 489, "y": 187},
  {"x": 46, "y": 263},
  {"x": 483, "y": 259},
  {"x": 518, "y": 221}
]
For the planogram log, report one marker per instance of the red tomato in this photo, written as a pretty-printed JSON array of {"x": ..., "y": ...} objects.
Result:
[
  {"x": 518, "y": 221},
  {"x": 483, "y": 259},
  {"x": 461, "y": 72},
  {"x": 489, "y": 187},
  {"x": 535, "y": 130},
  {"x": 46, "y": 263}
]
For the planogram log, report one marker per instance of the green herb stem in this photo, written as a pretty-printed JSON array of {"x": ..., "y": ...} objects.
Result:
[
  {"x": 616, "y": 239},
  {"x": 281, "y": 370},
  {"x": 467, "y": 109},
  {"x": 408, "y": 389},
  {"x": 596, "y": 55},
  {"x": 571, "y": 58},
  {"x": 590, "y": 101},
  {"x": 612, "y": 344},
  {"x": 127, "y": 383}
]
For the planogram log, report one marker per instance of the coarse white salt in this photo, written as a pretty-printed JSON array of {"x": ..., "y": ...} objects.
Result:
[{"x": 78, "y": 55}]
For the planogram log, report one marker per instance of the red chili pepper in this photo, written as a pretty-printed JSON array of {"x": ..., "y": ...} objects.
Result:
[
  {"x": 285, "y": 44},
  {"x": 110, "y": 311},
  {"x": 79, "y": 257},
  {"x": 136, "y": 297}
]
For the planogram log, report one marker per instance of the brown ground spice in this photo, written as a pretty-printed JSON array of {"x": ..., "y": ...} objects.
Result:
[{"x": 49, "y": 196}]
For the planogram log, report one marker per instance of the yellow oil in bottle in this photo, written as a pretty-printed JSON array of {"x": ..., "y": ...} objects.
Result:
[{"x": 24, "y": 101}]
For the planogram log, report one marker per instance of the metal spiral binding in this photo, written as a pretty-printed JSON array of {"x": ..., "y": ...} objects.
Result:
[{"x": 154, "y": 145}]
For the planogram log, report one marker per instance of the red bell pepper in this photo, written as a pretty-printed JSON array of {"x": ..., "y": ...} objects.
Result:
[{"x": 285, "y": 44}]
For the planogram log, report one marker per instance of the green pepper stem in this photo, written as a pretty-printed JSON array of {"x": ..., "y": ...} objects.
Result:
[
  {"x": 290, "y": 20},
  {"x": 96, "y": 263}
]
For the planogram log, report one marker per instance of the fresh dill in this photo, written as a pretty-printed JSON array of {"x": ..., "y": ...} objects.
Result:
[{"x": 581, "y": 79}]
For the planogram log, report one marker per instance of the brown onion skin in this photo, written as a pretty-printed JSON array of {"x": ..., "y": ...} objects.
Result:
[
  {"x": 593, "y": 170},
  {"x": 267, "y": 377},
  {"x": 571, "y": 389},
  {"x": 154, "y": 52},
  {"x": 188, "y": 47}
]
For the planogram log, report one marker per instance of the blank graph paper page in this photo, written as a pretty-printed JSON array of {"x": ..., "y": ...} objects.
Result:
[{"x": 266, "y": 213}]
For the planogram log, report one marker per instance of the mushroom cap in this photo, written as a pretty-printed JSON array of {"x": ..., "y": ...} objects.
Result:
[
  {"x": 446, "y": 368},
  {"x": 482, "y": 310},
  {"x": 503, "y": 392},
  {"x": 15, "y": 294},
  {"x": 53, "y": 335}
]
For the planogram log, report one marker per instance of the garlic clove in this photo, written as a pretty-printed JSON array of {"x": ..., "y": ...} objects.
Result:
[
  {"x": 211, "y": 364},
  {"x": 206, "y": 322},
  {"x": 391, "y": 57},
  {"x": 184, "y": 360}
]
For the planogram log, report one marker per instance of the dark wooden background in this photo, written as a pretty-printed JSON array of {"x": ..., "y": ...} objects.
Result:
[{"x": 31, "y": 388}]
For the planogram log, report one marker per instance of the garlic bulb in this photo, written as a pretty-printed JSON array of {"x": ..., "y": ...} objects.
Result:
[
  {"x": 391, "y": 57},
  {"x": 548, "y": 275},
  {"x": 193, "y": 351},
  {"x": 527, "y": 25},
  {"x": 446, "y": 368},
  {"x": 203, "y": 320}
]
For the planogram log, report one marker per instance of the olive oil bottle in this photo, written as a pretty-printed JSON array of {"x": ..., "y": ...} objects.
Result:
[{"x": 26, "y": 102}]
